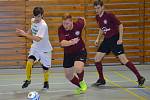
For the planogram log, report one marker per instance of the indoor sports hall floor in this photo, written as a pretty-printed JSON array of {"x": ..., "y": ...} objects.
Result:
[{"x": 121, "y": 85}]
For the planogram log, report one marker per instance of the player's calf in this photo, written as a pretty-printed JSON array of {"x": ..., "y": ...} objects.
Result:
[{"x": 46, "y": 77}]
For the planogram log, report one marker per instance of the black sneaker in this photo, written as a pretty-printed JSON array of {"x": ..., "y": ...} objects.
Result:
[
  {"x": 46, "y": 85},
  {"x": 26, "y": 83},
  {"x": 141, "y": 81},
  {"x": 99, "y": 82}
]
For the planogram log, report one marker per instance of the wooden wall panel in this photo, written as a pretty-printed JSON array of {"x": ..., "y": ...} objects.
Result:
[
  {"x": 12, "y": 48},
  {"x": 134, "y": 14},
  {"x": 147, "y": 32}
]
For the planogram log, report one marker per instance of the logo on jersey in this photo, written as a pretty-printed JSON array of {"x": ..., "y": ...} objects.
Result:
[
  {"x": 105, "y": 21},
  {"x": 105, "y": 30},
  {"x": 67, "y": 35},
  {"x": 77, "y": 33},
  {"x": 34, "y": 29},
  {"x": 81, "y": 59}
]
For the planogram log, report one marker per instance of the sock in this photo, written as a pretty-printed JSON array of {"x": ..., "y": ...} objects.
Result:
[
  {"x": 46, "y": 76},
  {"x": 99, "y": 68},
  {"x": 81, "y": 75},
  {"x": 75, "y": 81},
  {"x": 131, "y": 66},
  {"x": 29, "y": 70}
]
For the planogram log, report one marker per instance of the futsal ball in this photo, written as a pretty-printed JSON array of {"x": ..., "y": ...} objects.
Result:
[{"x": 33, "y": 96}]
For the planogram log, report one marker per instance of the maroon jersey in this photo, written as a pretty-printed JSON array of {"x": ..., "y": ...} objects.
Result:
[
  {"x": 109, "y": 24},
  {"x": 71, "y": 34}
]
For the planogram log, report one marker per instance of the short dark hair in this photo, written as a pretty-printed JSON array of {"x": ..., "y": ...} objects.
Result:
[
  {"x": 66, "y": 16},
  {"x": 98, "y": 2},
  {"x": 37, "y": 11}
]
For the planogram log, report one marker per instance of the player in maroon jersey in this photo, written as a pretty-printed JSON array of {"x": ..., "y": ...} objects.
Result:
[
  {"x": 112, "y": 30},
  {"x": 74, "y": 50}
]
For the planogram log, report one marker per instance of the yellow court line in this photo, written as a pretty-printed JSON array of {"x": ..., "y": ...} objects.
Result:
[
  {"x": 125, "y": 89},
  {"x": 39, "y": 74},
  {"x": 14, "y": 74},
  {"x": 123, "y": 76}
]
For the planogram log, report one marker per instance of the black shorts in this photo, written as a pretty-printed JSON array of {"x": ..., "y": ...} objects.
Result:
[
  {"x": 110, "y": 45},
  {"x": 69, "y": 59}
]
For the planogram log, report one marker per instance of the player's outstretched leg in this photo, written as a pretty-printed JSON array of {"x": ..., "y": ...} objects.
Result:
[
  {"x": 28, "y": 74},
  {"x": 46, "y": 77}
]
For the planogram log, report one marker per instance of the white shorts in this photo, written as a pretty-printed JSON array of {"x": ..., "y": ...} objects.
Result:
[{"x": 43, "y": 57}]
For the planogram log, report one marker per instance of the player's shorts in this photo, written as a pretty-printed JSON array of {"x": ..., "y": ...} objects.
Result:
[
  {"x": 69, "y": 59},
  {"x": 110, "y": 45},
  {"x": 43, "y": 57}
]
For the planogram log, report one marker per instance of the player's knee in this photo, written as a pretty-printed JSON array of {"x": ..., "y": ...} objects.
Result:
[
  {"x": 79, "y": 67},
  {"x": 45, "y": 68},
  {"x": 123, "y": 59},
  {"x": 69, "y": 76},
  {"x": 31, "y": 58},
  {"x": 79, "y": 70},
  {"x": 30, "y": 62},
  {"x": 97, "y": 59}
]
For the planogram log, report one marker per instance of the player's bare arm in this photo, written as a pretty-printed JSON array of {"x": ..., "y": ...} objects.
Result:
[
  {"x": 65, "y": 43},
  {"x": 99, "y": 38},
  {"x": 29, "y": 31},
  {"x": 27, "y": 35},
  {"x": 120, "y": 34}
]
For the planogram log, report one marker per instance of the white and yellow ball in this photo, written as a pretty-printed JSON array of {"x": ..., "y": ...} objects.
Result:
[{"x": 33, "y": 96}]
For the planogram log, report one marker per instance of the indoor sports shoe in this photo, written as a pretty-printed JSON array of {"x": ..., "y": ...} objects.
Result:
[
  {"x": 26, "y": 83},
  {"x": 83, "y": 86},
  {"x": 82, "y": 89},
  {"x": 141, "y": 81},
  {"x": 46, "y": 85},
  {"x": 79, "y": 91},
  {"x": 99, "y": 82}
]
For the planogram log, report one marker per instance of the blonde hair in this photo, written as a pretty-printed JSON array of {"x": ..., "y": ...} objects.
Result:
[{"x": 66, "y": 16}]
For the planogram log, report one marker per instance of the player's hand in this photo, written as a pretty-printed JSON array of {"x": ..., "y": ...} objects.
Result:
[
  {"x": 20, "y": 32},
  {"x": 75, "y": 40},
  {"x": 96, "y": 43},
  {"x": 119, "y": 42}
]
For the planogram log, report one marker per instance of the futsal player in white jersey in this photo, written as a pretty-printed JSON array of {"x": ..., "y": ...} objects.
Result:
[{"x": 41, "y": 47}]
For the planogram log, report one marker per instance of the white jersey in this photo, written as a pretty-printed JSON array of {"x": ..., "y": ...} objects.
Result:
[{"x": 41, "y": 30}]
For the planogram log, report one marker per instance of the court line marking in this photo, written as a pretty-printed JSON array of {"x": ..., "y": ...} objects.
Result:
[
  {"x": 125, "y": 89},
  {"x": 57, "y": 90},
  {"x": 2, "y": 85},
  {"x": 50, "y": 72},
  {"x": 28, "y": 90},
  {"x": 52, "y": 83},
  {"x": 129, "y": 79},
  {"x": 47, "y": 91}
]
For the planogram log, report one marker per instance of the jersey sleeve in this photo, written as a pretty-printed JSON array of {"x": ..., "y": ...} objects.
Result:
[
  {"x": 97, "y": 22},
  {"x": 80, "y": 23},
  {"x": 60, "y": 35}
]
